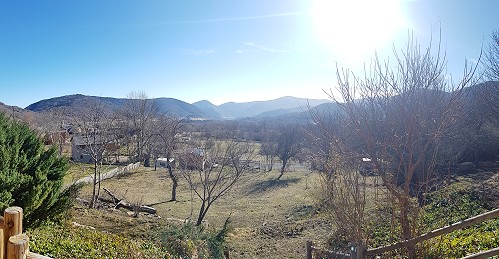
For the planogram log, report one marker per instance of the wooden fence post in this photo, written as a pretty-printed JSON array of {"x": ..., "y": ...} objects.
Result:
[
  {"x": 357, "y": 251},
  {"x": 13, "y": 243},
  {"x": 361, "y": 250},
  {"x": 13, "y": 221},
  {"x": 13, "y": 225},
  {"x": 18, "y": 247},
  {"x": 309, "y": 249},
  {"x": 2, "y": 248},
  {"x": 353, "y": 251}
]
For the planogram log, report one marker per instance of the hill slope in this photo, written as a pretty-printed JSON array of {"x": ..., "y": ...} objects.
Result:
[
  {"x": 202, "y": 109},
  {"x": 165, "y": 105},
  {"x": 270, "y": 108}
]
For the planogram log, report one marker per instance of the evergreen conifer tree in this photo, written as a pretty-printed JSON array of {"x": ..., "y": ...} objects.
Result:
[{"x": 31, "y": 176}]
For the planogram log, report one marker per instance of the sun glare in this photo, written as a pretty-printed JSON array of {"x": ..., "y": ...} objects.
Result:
[{"x": 353, "y": 29}]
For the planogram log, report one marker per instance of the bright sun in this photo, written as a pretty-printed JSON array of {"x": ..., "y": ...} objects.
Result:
[{"x": 353, "y": 29}]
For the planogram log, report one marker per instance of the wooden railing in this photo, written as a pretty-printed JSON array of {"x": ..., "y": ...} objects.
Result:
[
  {"x": 361, "y": 252},
  {"x": 354, "y": 252},
  {"x": 13, "y": 243}
]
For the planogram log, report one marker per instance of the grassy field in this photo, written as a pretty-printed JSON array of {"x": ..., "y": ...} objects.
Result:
[
  {"x": 270, "y": 219},
  {"x": 274, "y": 219}
]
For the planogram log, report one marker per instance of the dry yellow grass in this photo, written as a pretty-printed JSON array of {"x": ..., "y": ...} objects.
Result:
[{"x": 270, "y": 219}]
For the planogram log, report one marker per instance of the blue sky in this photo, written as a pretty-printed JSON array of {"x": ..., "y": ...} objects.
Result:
[{"x": 218, "y": 50}]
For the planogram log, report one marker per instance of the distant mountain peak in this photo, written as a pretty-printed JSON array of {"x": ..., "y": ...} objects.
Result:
[
  {"x": 274, "y": 107},
  {"x": 203, "y": 102}
]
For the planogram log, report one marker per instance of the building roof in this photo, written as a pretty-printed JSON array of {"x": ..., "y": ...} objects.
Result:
[{"x": 83, "y": 140}]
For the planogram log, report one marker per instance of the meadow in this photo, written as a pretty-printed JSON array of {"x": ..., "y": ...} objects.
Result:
[{"x": 269, "y": 218}]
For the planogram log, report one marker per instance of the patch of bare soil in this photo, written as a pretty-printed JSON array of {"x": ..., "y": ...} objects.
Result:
[{"x": 487, "y": 183}]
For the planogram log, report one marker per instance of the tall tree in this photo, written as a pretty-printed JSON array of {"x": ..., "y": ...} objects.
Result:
[
  {"x": 288, "y": 144},
  {"x": 137, "y": 115},
  {"x": 268, "y": 148},
  {"x": 397, "y": 115},
  {"x": 164, "y": 141},
  {"x": 95, "y": 138},
  {"x": 491, "y": 58},
  {"x": 30, "y": 175},
  {"x": 490, "y": 62}
]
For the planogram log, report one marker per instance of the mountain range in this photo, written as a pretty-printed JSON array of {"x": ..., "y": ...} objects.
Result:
[
  {"x": 284, "y": 108},
  {"x": 203, "y": 110}
]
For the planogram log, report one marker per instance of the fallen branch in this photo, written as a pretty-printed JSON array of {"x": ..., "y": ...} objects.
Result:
[
  {"x": 121, "y": 203},
  {"x": 115, "y": 199}
]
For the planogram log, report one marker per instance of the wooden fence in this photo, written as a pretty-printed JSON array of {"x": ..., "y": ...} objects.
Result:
[
  {"x": 359, "y": 251},
  {"x": 13, "y": 243}
]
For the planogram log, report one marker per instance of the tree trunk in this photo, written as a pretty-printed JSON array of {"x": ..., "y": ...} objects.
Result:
[
  {"x": 284, "y": 162},
  {"x": 406, "y": 227},
  {"x": 60, "y": 146},
  {"x": 99, "y": 180},
  {"x": 270, "y": 163},
  {"x": 175, "y": 182},
  {"x": 280, "y": 175},
  {"x": 201, "y": 214},
  {"x": 94, "y": 183},
  {"x": 128, "y": 151},
  {"x": 147, "y": 161}
]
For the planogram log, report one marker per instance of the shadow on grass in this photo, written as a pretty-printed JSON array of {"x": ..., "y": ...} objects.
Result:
[
  {"x": 270, "y": 185},
  {"x": 163, "y": 202},
  {"x": 157, "y": 203}
]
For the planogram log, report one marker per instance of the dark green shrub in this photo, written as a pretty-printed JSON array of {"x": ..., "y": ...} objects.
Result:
[
  {"x": 31, "y": 176},
  {"x": 189, "y": 240},
  {"x": 216, "y": 241}
]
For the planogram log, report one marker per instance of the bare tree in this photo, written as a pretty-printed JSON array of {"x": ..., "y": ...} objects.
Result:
[
  {"x": 166, "y": 139},
  {"x": 398, "y": 115},
  {"x": 288, "y": 144},
  {"x": 477, "y": 131},
  {"x": 137, "y": 116},
  {"x": 268, "y": 148},
  {"x": 473, "y": 134},
  {"x": 490, "y": 96},
  {"x": 344, "y": 194},
  {"x": 491, "y": 58},
  {"x": 323, "y": 137},
  {"x": 94, "y": 138},
  {"x": 213, "y": 170}
]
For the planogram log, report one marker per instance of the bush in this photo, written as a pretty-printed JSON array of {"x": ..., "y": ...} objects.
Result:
[
  {"x": 453, "y": 204},
  {"x": 66, "y": 241},
  {"x": 31, "y": 176},
  {"x": 190, "y": 241}
]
